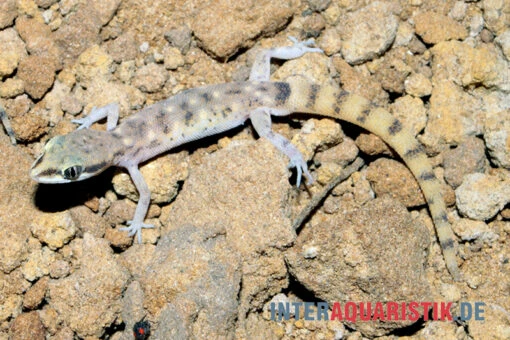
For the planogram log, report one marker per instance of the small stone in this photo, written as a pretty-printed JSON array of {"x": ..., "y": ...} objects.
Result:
[
  {"x": 54, "y": 229},
  {"x": 35, "y": 295},
  {"x": 172, "y": 58},
  {"x": 313, "y": 25},
  {"x": 372, "y": 145},
  {"x": 27, "y": 326},
  {"x": 78, "y": 32},
  {"x": 49, "y": 318},
  {"x": 105, "y": 9},
  {"x": 37, "y": 264},
  {"x": 38, "y": 39},
  {"x": 180, "y": 38},
  {"x": 418, "y": 85},
  {"x": 29, "y": 127},
  {"x": 439, "y": 330},
  {"x": 88, "y": 221},
  {"x": 315, "y": 134},
  {"x": 497, "y": 139},
  {"x": 452, "y": 115},
  {"x": 330, "y": 41},
  {"x": 150, "y": 78},
  {"x": 47, "y": 15},
  {"x": 123, "y": 48},
  {"x": 11, "y": 87},
  {"x": 470, "y": 230},
  {"x": 368, "y": 32},
  {"x": 96, "y": 286},
  {"x": 8, "y": 13},
  {"x": 59, "y": 269},
  {"x": 392, "y": 178},
  {"x": 120, "y": 239},
  {"x": 120, "y": 211},
  {"x": 228, "y": 26},
  {"x": 38, "y": 74},
  {"x": 144, "y": 47},
  {"x": 468, "y": 157},
  {"x": 405, "y": 34},
  {"x": 434, "y": 27},
  {"x": 93, "y": 63},
  {"x": 458, "y": 12},
  {"x": 454, "y": 60},
  {"x": 481, "y": 196},
  {"x": 12, "y": 51}
]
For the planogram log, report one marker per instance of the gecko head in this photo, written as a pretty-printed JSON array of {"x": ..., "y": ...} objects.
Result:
[{"x": 73, "y": 157}]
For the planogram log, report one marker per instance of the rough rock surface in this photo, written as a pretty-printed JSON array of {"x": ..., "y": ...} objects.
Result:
[{"x": 223, "y": 248}]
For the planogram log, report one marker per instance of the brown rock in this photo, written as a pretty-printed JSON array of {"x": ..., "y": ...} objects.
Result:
[
  {"x": 205, "y": 282},
  {"x": 467, "y": 158},
  {"x": 35, "y": 295},
  {"x": 100, "y": 281},
  {"x": 434, "y": 27},
  {"x": 8, "y": 13},
  {"x": 389, "y": 177},
  {"x": 368, "y": 32},
  {"x": 38, "y": 39},
  {"x": 38, "y": 73},
  {"x": 78, "y": 32},
  {"x": 230, "y": 25},
  {"x": 346, "y": 258},
  {"x": 27, "y": 326}
]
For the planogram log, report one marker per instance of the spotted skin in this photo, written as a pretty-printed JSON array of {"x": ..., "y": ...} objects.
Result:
[{"x": 204, "y": 111}]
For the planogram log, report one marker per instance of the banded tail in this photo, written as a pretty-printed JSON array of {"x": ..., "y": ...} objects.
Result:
[{"x": 329, "y": 101}]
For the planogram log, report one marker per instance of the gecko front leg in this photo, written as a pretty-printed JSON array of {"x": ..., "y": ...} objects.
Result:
[
  {"x": 261, "y": 68},
  {"x": 136, "y": 225},
  {"x": 110, "y": 112}
]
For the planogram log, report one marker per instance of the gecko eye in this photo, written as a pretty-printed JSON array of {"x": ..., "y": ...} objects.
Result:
[{"x": 73, "y": 172}]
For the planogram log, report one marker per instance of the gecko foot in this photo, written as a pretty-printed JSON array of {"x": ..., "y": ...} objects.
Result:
[
  {"x": 87, "y": 121},
  {"x": 297, "y": 161},
  {"x": 136, "y": 228},
  {"x": 304, "y": 46}
]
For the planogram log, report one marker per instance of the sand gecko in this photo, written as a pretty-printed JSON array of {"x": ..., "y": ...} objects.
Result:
[{"x": 204, "y": 111}]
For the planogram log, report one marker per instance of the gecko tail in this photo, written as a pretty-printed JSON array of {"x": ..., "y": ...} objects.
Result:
[{"x": 330, "y": 101}]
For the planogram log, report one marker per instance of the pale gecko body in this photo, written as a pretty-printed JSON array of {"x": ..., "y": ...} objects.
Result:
[{"x": 200, "y": 112}]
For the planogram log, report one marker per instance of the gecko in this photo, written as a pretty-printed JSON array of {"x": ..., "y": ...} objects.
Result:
[{"x": 196, "y": 113}]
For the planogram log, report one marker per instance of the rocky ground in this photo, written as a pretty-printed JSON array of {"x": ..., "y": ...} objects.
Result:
[{"x": 223, "y": 247}]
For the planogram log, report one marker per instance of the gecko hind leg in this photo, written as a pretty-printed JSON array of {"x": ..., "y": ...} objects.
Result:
[
  {"x": 261, "y": 121},
  {"x": 261, "y": 68}
]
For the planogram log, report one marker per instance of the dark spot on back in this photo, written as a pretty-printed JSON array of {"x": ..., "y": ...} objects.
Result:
[
  {"x": 187, "y": 117},
  {"x": 234, "y": 92},
  {"x": 411, "y": 153},
  {"x": 283, "y": 93},
  {"x": 447, "y": 244},
  {"x": 395, "y": 127},
  {"x": 184, "y": 105},
  {"x": 312, "y": 96},
  {"x": 363, "y": 116},
  {"x": 427, "y": 176},
  {"x": 206, "y": 97}
]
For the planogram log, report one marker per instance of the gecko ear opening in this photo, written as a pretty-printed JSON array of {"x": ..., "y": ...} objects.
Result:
[{"x": 73, "y": 172}]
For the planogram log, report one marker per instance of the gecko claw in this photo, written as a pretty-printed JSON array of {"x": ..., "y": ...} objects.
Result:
[
  {"x": 304, "y": 46},
  {"x": 136, "y": 228},
  {"x": 301, "y": 168}
]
